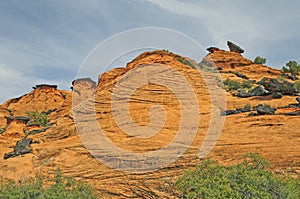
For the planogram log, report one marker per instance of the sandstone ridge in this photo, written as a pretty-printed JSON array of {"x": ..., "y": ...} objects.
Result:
[{"x": 58, "y": 145}]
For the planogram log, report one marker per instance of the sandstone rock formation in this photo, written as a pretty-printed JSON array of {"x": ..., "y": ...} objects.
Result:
[
  {"x": 82, "y": 89},
  {"x": 274, "y": 136}
]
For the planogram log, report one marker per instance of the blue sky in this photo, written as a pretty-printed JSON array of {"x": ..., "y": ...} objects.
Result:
[{"x": 46, "y": 41}]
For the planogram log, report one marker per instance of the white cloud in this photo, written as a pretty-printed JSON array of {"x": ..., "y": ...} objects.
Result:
[
  {"x": 15, "y": 83},
  {"x": 256, "y": 25},
  {"x": 221, "y": 19}
]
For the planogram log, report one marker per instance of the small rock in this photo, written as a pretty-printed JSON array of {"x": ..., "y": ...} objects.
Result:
[
  {"x": 212, "y": 49},
  {"x": 243, "y": 110},
  {"x": 229, "y": 112},
  {"x": 252, "y": 114},
  {"x": 265, "y": 110},
  {"x": 277, "y": 95},
  {"x": 295, "y": 113}
]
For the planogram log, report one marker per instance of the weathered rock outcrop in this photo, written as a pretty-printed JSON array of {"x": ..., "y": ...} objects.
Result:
[
  {"x": 22, "y": 147},
  {"x": 82, "y": 89},
  {"x": 229, "y": 62},
  {"x": 257, "y": 91},
  {"x": 275, "y": 86}
]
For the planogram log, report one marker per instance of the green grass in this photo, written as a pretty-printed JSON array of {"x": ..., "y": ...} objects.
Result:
[
  {"x": 249, "y": 179},
  {"x": 62, "y": 188}
]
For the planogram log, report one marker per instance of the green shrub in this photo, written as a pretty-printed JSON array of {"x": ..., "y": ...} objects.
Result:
[
  {"x": 281, "y": 78},
  {"x": 187, "y": 62},
  {"x": 293, "y": 68},
  {"x": 259, "y": 60},
  {"x": 37, "y": 118},
  {"x": 232, "y": 85},
  {"x": 248, "y": 106},
  {"x": 297, "y": 86},
  {"x": 2, "y": 130},
  {"x": 249, "y": 179},
  {"x": 62, "y": 188},
  {"x": 247, "y": 84}
]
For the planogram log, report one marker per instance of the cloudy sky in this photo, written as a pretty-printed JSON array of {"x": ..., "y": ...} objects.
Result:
[{"x": 47, "y": 41}]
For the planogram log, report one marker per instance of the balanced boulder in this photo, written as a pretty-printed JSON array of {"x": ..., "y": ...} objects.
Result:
[{"x": 234, "y": 48}]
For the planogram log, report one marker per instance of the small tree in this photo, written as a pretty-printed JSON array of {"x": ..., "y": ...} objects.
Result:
[
  {"x": 260, "y": 60},
  {"x": 293, "y": 68}
]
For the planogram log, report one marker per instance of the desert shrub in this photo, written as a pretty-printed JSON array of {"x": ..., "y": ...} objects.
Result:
[
  {"x": 2, "y": 130},
  {"x": 247, "y": 84},
  {"x": 37, "y": 118},
  {"x": 281, "y": 78},
  {"x": 62, "y": 188},
  {"x": 297, "y": 86},
  {"x": 259, "y": 60},
  {"x": 293, "y": 68},
  {"x": 267, "y": 105},
  {"x": 232, "y": 85},
  {"x": 187, "y": 62},
  {"x": 249, "y": 179},
  {"x": 248, "y": 106}
]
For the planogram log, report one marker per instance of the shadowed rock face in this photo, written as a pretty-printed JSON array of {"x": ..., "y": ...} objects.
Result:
[{"x": 20, "y": 119}]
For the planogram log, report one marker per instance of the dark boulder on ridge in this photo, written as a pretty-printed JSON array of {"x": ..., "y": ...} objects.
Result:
[{"x": 234, "y": 48}]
